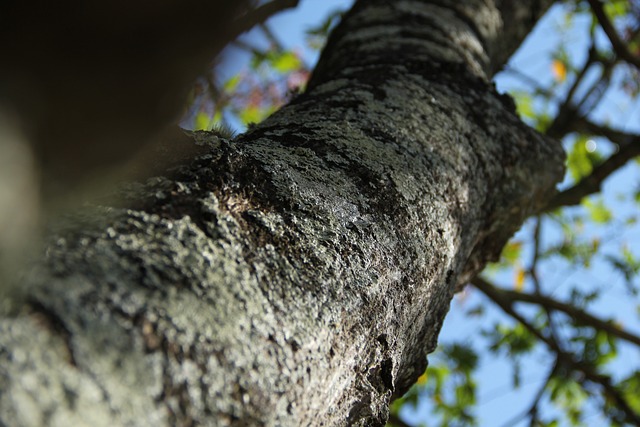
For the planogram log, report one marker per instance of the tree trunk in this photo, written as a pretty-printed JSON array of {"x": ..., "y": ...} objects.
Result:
[{"x": 300, "y": 274}]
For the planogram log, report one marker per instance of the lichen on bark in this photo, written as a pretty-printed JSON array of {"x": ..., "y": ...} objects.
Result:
[{"x": 299, "y": 274}]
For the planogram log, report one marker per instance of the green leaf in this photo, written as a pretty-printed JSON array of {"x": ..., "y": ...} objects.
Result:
[
  {"x": 258, "y": 59},
  {"x": 512, "y": 251},
  {"x": 628, "y": 265},
  {"x": 232, "y": 83},
  {"x": 524, "y": 104},
  {"x": 285, "y": 62},
  {"x": 574, "y": 251},
  {"x": 202, "y": 121},
  {"x": 253, "y": 114},
  {"x": 616, "y": 9},
  {"x": 598, "y": 212},
  {"x": 631, "y": 390},
  {"x": 542, "y": 121},
  {"x": 464, "y": 357},
  {"x": 567, "y": 395},
  {"x": 581, "y": 159},
  {"x": 514, "y": 340},
  {"x": 316, "y": 36}
]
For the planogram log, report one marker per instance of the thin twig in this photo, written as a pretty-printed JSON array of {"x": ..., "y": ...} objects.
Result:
[
  {"x": 497, "y": 296},
  {"x": 567, "y": 110},
  {"x": 536, "y": 252},
  {"x": 247, "y": 47},
  {"x": 537, "y": 88},
  {"x": 594, "y": 95},
  {"x": 587, "y": 127},
  {"x": 588, "y": 370},
  {"x": 629, "y": 147},
  {"x": 591, "y": 60},
  {"x": 592, "y": 183},
  {"x": 571, "y": 109},
  {"x": 271, "y": 37},
  {"x": 532, "y": 411},
  {"x": 261, "y": 14},
  {"x": 575, "y": 313},
  {"x": 619, "y": 46},
  {"x": 536, "y": 283}
]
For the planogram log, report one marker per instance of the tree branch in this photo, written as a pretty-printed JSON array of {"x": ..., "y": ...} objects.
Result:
[
  {"x": 592, "y": 183},
  {"x": 537, "y": 88},
  {"x": 495, "y": 295},
  {"x": 585, "y": 126},
  {"x": 567, "y": 110},
  {"x": 532, "y": 411},
  {"x": 271, "y": 37},
  {"x": 588, "y": 370},
  {"x": 572, "y": 109},
  {"x": 260, "y": 14},
  {"x": 572, "y": 311},
  {"x": 618, "y": 44},
  {"x": 594, "y": 95},
  {"x": 534, "y": 277},
  {"x": 536, "y": 255}
]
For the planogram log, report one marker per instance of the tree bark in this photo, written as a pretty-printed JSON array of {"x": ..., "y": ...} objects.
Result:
[{"x": 299, "y": 274}]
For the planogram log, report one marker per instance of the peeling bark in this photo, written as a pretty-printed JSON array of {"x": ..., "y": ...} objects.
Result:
[{"x": 299, "y": 274}]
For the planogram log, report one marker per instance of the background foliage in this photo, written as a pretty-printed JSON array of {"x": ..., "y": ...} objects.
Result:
[{"x": 548, "y": 336}]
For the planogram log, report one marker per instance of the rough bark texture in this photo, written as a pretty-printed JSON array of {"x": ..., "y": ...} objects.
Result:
[{"x": 300, "y": 274}]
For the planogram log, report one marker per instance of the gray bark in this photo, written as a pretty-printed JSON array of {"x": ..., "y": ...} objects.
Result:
[{"x": 300, "y": 274}]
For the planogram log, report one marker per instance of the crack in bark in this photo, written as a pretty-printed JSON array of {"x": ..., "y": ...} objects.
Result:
[{"x": 48, "y": 319}]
